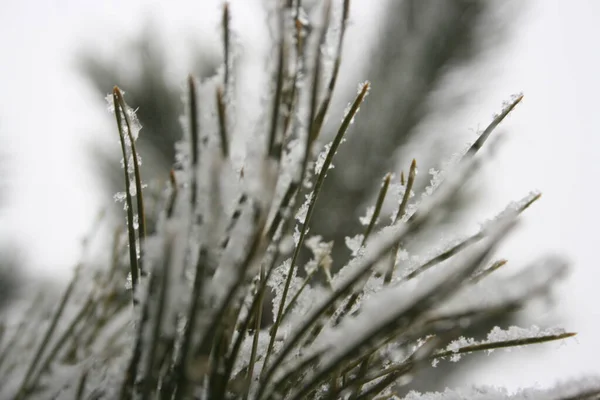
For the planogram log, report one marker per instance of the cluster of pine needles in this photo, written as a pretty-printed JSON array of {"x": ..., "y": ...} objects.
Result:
[{"x": 180, "y": 313}]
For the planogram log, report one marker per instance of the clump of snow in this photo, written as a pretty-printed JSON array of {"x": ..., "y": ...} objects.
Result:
[
  {"x": 514, "y": 332},
  {"x": 584, "y": 388}
]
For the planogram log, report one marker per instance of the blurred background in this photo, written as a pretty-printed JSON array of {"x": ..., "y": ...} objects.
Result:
[{"x": 439, "y": 71}]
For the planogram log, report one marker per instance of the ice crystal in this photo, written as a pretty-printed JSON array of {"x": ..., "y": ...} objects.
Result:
[
  {"x": 366, "y": 219},
  {"x": 354, "y": 243}
]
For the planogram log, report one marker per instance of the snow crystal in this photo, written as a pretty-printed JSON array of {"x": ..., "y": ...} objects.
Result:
[
  {"x": 119, "y": 197},
  {"x": 374, "y": 285},
  {"x": 296, "y": 235},
  {"x": 321, "y": 251},
  {"x": 402, "y": 255},
  {"x": 110, "y": 102},
  {"x": 363, "y": 84},
  {"x": 366, "y": 219},
  {"x": 354, "y": 243},
  {"x": 129, "y": 282},
  {"x": 459, "y": 343},
  {"x": 507, "y": 103},
  {"x": 397, "y": 190},
  {"x": 346, "y": 112},
  {"x": 302, "y": 212},
  {"x": 133, "y": 120},
  {"x": 292, "y": 159},
  {"x": 455, "y": 358},
  {"x": 277, "y": 282},
  {"x": 322, "y": 157}
]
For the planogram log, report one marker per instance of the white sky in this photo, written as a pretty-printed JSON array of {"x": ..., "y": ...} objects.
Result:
[{"x": 47, "y": 112}]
